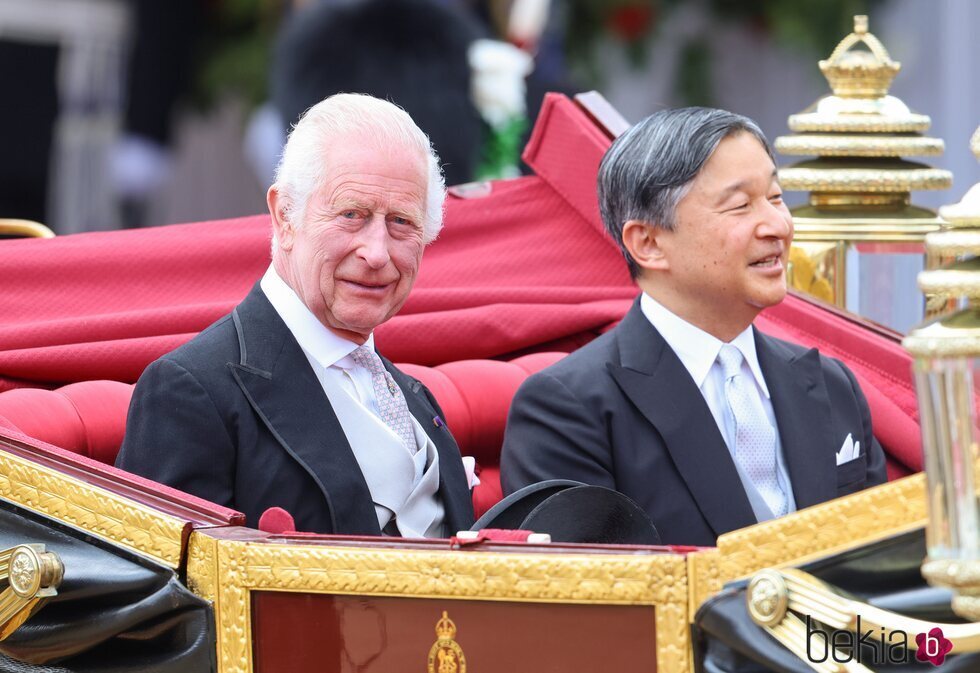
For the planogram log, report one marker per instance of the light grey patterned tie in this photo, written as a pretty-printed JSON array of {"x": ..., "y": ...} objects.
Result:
[
  {"x": 755, "y": 438},
  {"x": 391, "y": 400}
]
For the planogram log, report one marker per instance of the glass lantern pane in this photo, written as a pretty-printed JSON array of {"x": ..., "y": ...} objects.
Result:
[{"x": 949, "y": 442}]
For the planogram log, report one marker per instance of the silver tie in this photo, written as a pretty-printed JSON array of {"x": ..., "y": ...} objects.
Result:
[
  {"x": 391, "y": 401},
  {"x": 755, "y": 438}
]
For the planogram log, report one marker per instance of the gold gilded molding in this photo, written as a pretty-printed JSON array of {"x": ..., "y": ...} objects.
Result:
[
  {"x": 824, "y": 529},
  {"x": 954, "y": 242},
  {"x": 940, "y": 339},
  {"x": 812, "y": 122},
  {"x": 202, "y": 567},
  {"x": 774, "y": 596},
  {"x": 869, "y": 180},
  {"x": 32, "y": 576},
  {"x": 704, "y": 578},
  {"x": 658, "y": 580},
  {"x": 859, "y": 146},
  {"x": 881, "y": 230},
  {"x": 956, "y": 282},
  {"x": 95, "y": 510}
]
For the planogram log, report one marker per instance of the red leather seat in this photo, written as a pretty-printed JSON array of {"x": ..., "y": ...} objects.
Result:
[{"x": 89, "y": 418}]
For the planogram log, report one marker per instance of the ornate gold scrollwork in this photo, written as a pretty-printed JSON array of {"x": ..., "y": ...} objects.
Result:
[
  {"x": 777, "y": 598},
  {"x": 32, "y": 575}
]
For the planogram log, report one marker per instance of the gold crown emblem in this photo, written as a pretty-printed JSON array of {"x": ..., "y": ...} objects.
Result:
[
  {"x": 854, "y": 73},
  {"x": 445, "y": 627}
]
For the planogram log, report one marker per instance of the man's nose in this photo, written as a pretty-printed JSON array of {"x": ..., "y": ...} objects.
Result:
[
  {"x": 373, "y": 242},
  {"x": 776, "y": 221}
]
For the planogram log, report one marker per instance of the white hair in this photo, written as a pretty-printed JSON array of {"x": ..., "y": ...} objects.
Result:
[{"x": 300, "y": 170}]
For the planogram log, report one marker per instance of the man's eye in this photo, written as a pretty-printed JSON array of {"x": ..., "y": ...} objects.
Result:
[
  {"x": 349, "y": 214},
  {"x": 403, "y": 221},
  {"x": 741, "y": 206},
  {"x": 776, "y": 198}
]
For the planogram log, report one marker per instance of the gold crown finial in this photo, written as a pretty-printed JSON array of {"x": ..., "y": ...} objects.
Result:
[
  {"x": 445, "y": 628},
  {"x": 859, "y": 73}
]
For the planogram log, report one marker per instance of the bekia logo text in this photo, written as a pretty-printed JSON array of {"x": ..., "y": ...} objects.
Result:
[{"x": 874, "y": 646}]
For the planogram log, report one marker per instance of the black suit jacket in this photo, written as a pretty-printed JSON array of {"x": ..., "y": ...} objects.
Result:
[
  {"x": 623, "y": 412},
  {"x": 238, "y": 417}
]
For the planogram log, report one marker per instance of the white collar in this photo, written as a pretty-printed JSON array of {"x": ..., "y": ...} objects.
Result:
[
  {"x": 318, "y": 342},
  {"x": 696, "y": 348}
]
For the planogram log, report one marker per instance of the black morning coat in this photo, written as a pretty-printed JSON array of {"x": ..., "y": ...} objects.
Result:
[
  {"x": 237, "y": 416},
  {"x": 624, "y": 412}
]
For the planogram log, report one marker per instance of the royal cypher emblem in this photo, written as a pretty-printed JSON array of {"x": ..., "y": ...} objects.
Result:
[{"x": 445, "y": 655}]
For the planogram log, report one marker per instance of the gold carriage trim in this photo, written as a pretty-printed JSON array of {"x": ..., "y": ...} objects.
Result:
[
  {"x": 859, "y": 146},
  {"x": 821, "y": 122},
  {"x": 776, "y": 598},
  {"x": 812, "y": 533},
  {"x": 92, "y": 509},
  {"x": 227, "y": 571},
  {"x": 949, "y": 336},
  {"x": 958, "y": 282},
  {"x": 954, "y": 242},
  {"x": 864, "y": 229},
  {"x": 869, "y": 180},
  {"x": 32, "y": 575}
]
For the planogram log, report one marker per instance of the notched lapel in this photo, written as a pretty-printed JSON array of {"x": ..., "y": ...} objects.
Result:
[
  {"x": 656, "y": 381},
  {"x": 800, "y": 401},
  {"x": 284, "y": 392}
]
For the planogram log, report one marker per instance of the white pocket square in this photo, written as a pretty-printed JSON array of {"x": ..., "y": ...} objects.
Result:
[
  {"x": 849, "y": 451},
  {"x": 469, "y": 466}
]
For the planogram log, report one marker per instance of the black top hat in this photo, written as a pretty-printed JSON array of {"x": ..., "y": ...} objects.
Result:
[{"x": 571, "y": 511}]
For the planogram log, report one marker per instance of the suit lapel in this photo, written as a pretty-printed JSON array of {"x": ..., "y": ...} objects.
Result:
[
  {"x": 453, "y": 488},
  {"x": 655, "y": 380},
  {"x": 283, "y": 390},
  {"x": 802, "y": 407}
]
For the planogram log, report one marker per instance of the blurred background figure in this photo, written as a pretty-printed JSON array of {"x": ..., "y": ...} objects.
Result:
[
  {"x": 163, "y": 46},
  {"x": 410, "y": 52},
  {"x": 133, "y": 112},
  {"x": 432, "y": 57},
  {"x": 61, "y": 64}
]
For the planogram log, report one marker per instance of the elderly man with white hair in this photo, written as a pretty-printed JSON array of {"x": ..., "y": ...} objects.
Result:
[{"x": 285, "y": 402}]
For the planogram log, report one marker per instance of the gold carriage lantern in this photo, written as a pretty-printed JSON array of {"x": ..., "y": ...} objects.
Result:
[
  {"x": 860, "y": 185},
  {"x": 947, "y": 350}
]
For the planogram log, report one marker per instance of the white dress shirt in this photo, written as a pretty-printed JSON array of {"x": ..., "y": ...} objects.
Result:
[
  {"x": 698, "y": 352},
  {"x": 403, "y": 484}
]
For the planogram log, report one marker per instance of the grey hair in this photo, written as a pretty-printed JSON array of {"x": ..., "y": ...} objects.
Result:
[
  {"x": 300, "y": 170},
  {"x": 650, "y": 168}
]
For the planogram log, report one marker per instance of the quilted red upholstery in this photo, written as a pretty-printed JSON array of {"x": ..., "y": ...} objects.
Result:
[{"x": 89, "y": 418}]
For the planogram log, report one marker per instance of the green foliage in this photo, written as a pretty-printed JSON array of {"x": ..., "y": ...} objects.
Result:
[
  {"x": 501, "y": 151},
  {"x": 810, "y": 26}
]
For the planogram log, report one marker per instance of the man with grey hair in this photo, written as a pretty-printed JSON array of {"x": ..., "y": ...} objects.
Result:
[
  {"x": 708, "y": 424},
  {"x": 285, "y": 402}
]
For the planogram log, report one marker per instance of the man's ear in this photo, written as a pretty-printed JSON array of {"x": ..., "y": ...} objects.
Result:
[
  {"x": 644, "y": 242},
  {"x": 281, "y": 222}
]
